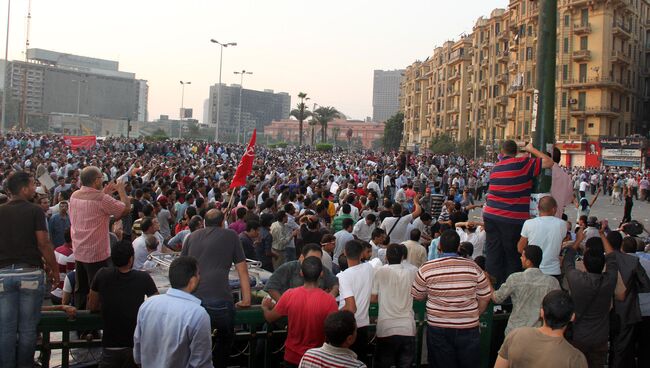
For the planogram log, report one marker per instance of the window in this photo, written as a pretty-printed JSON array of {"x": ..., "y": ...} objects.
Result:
[
  {"x": 526, "y": 127},
  {"x": 563, "y": 126},
  {"x": 527, "y": 103},
  {"x": 529, "y": 53},
  {"x": 567, "y": 19},
  {"x": 581, "y": 126},
  {"x": 582, "y": 101},
  {"x": 590, "y": 125},
  {"x": 565, "y": 45},
  {"x": 583, "y": 73},
  {"x": 584, "y": 44},
  {"x": 564, "y": 98},
  {"x": 565, "y": 72},
  {"x": 584, "y": 16},
  {"x": 530, "y": 31}
]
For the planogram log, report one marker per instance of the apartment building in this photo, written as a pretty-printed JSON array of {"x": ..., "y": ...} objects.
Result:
[{"x": 602, "y": 77}]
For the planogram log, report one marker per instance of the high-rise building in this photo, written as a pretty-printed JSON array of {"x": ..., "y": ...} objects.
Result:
[
  {"x": 258, "y": 109},
  {"x": 385, "y": 93},
  {"x": 53, "y": 82},
  {"x": 602, "y": 77}
]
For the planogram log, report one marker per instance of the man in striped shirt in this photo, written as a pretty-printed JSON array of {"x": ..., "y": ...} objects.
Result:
[
  {"x": 340, "y": 334},
  {"x": 507, "y": 207},
  {"x": 457, "y": 292}
]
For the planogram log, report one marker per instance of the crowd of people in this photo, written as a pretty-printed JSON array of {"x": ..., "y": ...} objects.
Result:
[{"x": 338, "y": 231}]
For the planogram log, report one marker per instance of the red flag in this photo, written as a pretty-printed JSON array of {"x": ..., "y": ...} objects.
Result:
[
  {"x": 80, "y": 142},
  {"x": 246, "y": 165}
]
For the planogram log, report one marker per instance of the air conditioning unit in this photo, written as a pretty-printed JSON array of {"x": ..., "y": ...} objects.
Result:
[{"x": 573, "y": 101}]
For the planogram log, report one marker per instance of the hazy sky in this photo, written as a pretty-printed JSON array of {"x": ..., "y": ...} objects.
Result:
[{"x": 327, "y": 49}]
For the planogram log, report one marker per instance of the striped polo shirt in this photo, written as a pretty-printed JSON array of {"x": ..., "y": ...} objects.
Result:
[
  {"x": 453, "y": 287},
  {"x": 511, "y": 182}
]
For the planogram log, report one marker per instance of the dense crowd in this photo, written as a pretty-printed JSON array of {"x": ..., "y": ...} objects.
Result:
[{"x": 338, "y": 231}]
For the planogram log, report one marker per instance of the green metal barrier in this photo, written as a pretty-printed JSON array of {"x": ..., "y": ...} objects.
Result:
[{"x": 254, "y": 328}]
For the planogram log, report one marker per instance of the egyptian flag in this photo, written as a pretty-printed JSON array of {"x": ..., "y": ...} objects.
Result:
[{"x": 246, "y": 164}]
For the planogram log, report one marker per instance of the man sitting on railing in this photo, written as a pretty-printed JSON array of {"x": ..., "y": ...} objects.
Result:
[{"x": 118, "y": 293}]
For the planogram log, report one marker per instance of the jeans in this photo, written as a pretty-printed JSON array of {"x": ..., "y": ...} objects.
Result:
[
  {"x": 453, "y": 348},
  {"x": 501, "y": 255},
  {"x": 21, "y": 296},
  {"x": 117, "y": 358},
  {"x": 85, "y": 275},
  {"x": 398, "y": 351},
  {"x": 222, "y": 319}
]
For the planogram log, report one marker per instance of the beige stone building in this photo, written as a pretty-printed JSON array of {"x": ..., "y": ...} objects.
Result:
[{"x": 602, "y": 77}]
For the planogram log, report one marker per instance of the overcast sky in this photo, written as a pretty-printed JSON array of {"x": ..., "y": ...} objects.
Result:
[{"x": 326, "y": 48}]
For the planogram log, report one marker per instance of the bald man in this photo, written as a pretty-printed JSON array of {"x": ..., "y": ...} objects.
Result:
[{"x": 547, "y": 232}]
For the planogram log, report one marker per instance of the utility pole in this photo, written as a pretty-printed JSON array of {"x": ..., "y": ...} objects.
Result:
[
  {"x": 544, "y": 123},
  {"x": 5, "y": 88}
]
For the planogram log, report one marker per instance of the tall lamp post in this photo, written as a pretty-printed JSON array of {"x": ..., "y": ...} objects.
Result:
[
  {"x": 241, "y": 86},
  {"x": 222, "y": 45},
  {"x": 182, "y": 111},
  {"x": 4, "y": 87},
  {"x": 78, "y": 92}
]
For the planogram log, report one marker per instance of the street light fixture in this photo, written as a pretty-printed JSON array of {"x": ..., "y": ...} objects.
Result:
[
  {"x": 78, "y": 92},
  {"x": 241, "y": 86},
  {"x": 182, "y": 112},
  {"x": 222, "y": 45},
  {"x": 4, "y": 89}
]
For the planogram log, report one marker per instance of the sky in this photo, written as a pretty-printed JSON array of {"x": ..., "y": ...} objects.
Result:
[{"x": 327, "y": 49}]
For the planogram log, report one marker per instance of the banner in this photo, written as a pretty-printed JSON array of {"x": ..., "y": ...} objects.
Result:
[
  {"x": 246, "y": 164},
  {"x": 592, "y": 154},
  {"x": 80, "y": 142}
]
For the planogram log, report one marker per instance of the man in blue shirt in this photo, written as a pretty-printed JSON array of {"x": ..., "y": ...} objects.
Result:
[
  {"x": 58, "y": 224},
  {"x": 183, "y": 340}
]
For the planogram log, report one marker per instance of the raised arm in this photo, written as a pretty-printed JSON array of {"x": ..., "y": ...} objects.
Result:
[{"x": 547, "y": 162}]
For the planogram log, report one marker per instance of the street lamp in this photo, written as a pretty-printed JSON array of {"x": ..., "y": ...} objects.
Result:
[
  {"x": 222, "y": 45},
  {"x": 241, "y": 86},
  {"x": 4, "y": 88},
  {"x": 182, "y": 112},
  {"x": 78, "y": 92}
]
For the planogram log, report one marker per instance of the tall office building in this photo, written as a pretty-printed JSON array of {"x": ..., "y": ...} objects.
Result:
[
  {"x": 385, "y": 93},
  {"x": 258, "y": 109},
  {"x": 602, "y": 77},
  {"x": 53, "y": 82}
]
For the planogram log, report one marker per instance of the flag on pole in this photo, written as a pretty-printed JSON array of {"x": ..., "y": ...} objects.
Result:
[{"x": 246, "y": 164}]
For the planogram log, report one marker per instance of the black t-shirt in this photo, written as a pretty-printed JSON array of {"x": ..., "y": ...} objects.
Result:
[
  {"x": 19, "y": 222},
  {"x": 216, "y": 249},
  {"x": 121, "y": 295}
]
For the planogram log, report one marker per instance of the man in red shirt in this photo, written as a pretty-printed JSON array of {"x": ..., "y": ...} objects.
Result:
[{"x": 307, "y": 307}]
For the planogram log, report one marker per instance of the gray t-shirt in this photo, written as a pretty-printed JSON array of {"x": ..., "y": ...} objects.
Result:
[{"x": 216, "y": 249}]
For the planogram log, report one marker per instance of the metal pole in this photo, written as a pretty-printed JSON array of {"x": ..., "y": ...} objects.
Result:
[
  {"x": 180, "y": 120},
  {"x": 216, "y": 134},
  {"x": 4, "y": 87},
  {"x": 241, "y": 86},
  {"x": 78, "y": 95},
  {"x": 545, "y": 127}
]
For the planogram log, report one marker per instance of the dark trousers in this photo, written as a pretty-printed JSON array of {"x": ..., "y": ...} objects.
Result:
[
  {"x": 501, "y": 255},
  {"x": 596, "y": 355},
  {"x": 222, "y": 319},
  {"x": 85, "y": 273},
  {"x": 113, "y": 358},
  {"x": 621, "y": 349},
  {"x": 360, "y": 346},
  {"x": 643, "y": 342},
  {"x": 397, "y": 351},
  {"x": 453, "y": 348},
  {"x": 582, "y": 194}
]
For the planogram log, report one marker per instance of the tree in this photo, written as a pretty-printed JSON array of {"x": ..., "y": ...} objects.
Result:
[
  {"x": 336, "y": 132},
  {"x": 442, "y": 144},
  {"x": 301, "y": 114},
  {"x": 323, "y": 115},
  {"x": 393, "y": 130}
]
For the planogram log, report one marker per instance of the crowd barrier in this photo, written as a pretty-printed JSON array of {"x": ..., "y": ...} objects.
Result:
[{"x": 254, "y": 343}]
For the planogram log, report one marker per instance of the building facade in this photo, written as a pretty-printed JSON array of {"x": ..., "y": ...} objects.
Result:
[
  {"x": 52, "y": 82},
  {"x": 602, "y": 77},
  {"x": 258, "y": 109},
  {"x": 385, "y": 93},
  {"x": 363, "y": 132}
]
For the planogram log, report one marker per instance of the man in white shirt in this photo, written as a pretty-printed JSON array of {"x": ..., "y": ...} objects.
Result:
[
  {"x": 547, "y": 232},
  {"x": 395, "y": 322},
  {"x": 342, "y": 237},
  {"x": 474, "y": 233},
  {"x": 355, "y": 287},
  {"x": 146, "y": 243},
  {"x": 417, "y": 254},
  {"x": 372, "y": 185},
  {"x": 363, "y": 229},
  {"x": 400, "y": 195},
  {"x": 583, "y": 188},
  {"x": 396, "y": 226}
]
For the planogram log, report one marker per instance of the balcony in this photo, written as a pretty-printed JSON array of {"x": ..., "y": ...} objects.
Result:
[
  {"x": 453, "y": 110},
  {"x": 503, "y": 57},
  {"x": 514, "y": 46},
  {"x": 620, "y": 58},
  {"x": 500, "y": 121},
  {"x": 481, "y": 122},
  {"x": 454, "y": 77},
  {"x": 485, "y": 43},
  {"x": 502, "y": 100},
  {"x": 621, "y": 30},
  {"x": 512, "y": 68},
  {"x": 484, "y": 62},
  {"x": 470, "y": 68},
  {"x": 455, "y": 92},
  {"x": 607, "y": 111},
  {"x": 514, "y": 89},
  {"x": 503, "y": 36},
  {"x": 483, "y": 83},
  {"x": 577, "y": 3},
  {"x": 581, "y": 55},
  {"x": 582, "y": 29},
  {"x": 502, "y": 78},
  {"x": 510, "y": 115},
  {"x": 482, "y": 103},
  {"x": 597, "y": 82}
]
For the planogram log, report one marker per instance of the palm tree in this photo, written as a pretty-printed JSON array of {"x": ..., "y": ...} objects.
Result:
[
  {"x": 301, "y": 113},
  {"x": 323, "y": 115}
]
